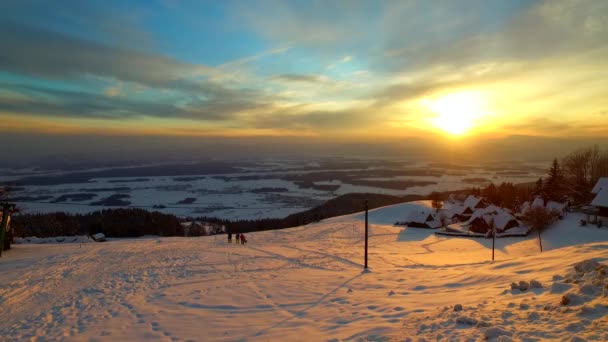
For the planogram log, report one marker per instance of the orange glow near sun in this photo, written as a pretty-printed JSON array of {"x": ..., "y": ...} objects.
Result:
[{"x": 456, "y": 113}]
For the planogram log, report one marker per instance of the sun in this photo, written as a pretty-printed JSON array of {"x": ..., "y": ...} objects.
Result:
[{"x": 456, "y": 113}]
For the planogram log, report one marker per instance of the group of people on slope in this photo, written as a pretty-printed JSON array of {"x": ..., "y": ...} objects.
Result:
[{"x": 240, "y": 238}]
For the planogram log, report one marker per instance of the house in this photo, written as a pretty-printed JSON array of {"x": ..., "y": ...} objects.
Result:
[
  {"x": 557, "y": 207},
  {"x": 423, "y": 219},
  {"x": 601, "y": 202},
  {"x": 462, "y": 212},
  {"x": 474, "y": 202},
  {"x": 481, "y": 220},
  {"x": 458, "y": 213},
  {"x": 538, "y": 202},
  {"x": 601, "y": 184}
]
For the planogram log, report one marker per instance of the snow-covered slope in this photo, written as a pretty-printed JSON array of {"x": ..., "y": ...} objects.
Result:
[{"x": 304, "y": 284}]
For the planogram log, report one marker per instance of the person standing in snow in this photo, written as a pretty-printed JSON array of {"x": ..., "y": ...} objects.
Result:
[
  {"x": 237, "y": 240},
  {"x": 229, "y": 237},
  {"x": 243, "y": 239}
]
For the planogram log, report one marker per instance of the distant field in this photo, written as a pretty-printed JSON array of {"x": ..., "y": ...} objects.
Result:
[{"x": 248, "y": 189}]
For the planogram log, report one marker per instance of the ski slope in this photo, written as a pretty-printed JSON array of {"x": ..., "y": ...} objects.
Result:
[{"x": 307, "y": 284}]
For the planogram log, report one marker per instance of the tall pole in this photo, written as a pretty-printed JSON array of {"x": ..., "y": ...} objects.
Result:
[
  {"x": 366, "y": 233},
  {"x": 493, "y": 227}
]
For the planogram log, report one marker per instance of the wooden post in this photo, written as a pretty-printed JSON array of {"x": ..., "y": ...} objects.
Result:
[
  {"x": 540, "y": 242},
  {"x": 366, "y": 232},
  {"x": 4, "y": 225}
]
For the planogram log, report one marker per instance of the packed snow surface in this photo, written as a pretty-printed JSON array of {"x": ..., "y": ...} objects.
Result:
[{"x": 308, "y": 284}]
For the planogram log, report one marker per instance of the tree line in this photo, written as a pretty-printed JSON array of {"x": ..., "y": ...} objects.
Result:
[{"x": 133, "y": 222}]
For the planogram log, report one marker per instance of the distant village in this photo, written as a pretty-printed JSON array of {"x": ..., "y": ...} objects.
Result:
[{"x": 474, "y": 216}]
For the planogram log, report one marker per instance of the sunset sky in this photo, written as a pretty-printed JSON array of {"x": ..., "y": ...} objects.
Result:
[{"x": 351, "y": 70}]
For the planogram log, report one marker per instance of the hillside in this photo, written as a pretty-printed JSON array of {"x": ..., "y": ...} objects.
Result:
[{"x": 307, "y": 284}]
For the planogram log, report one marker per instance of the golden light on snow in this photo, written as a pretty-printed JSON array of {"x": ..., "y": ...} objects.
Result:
[{"x": 456, "y": 113}]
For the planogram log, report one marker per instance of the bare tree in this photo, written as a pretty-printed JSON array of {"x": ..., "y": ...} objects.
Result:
[
  {"x": 539, "y": 218},
  {"x": 436, "y": 200},
  {"x": 582, "y": 169}
]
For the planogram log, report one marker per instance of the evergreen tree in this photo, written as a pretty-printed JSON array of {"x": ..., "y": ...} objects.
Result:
[
  {"x": 554, "y": 184},
  {"x": 539, "y": 189}
]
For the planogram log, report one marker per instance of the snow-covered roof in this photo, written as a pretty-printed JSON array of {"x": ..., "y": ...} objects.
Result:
[
  {"x": 420, "y": 216},
  {"x": 538, "y": 202},
  {"x": 601, "y": 199},
  {"x": 524, "y": 207},
  {"x": 471, "y": 201},
  {"x": 602, "y": 183},
  {"x": 500, "y": 216},
  {"x": 455, "y": 210},
  {"x": 424, "y": 217}
]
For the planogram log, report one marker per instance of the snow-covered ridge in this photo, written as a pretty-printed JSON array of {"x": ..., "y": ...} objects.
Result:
[{"x": 304, "y": 284}]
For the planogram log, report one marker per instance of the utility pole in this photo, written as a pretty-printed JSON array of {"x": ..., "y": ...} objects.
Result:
[
  {"x": 366, "y": 232},
  {"x": 6, "y": 209},
  {"x": 493, "y": 238}
]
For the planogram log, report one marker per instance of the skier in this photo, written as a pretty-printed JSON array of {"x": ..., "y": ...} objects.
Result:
[
  {"x": 229, "y": 237},
  {"x": 243, "y": 239}
]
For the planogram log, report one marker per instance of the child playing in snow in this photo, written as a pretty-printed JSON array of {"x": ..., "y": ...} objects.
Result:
[
  {"x": 243, "y": 240},
  {"x": 237, "y": 240}
]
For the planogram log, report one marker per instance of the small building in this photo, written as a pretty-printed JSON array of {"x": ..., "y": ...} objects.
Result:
[
  {"x": 557, "y": 207},
  {"x": 601, "y": 184},
  {"x": 474, "y": 202},
  {"x": 481, "y": 221},
  {"x": 423, "y": 219},
  {"x": 601, "y": 202}
]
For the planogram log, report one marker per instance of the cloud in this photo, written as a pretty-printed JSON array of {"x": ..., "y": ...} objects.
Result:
[
  {"x": 300, "y": 78},
  {"x": 40, "y": 53},
  {"x": 545, "y": 30},
  {"x": 63, "y": 103}
]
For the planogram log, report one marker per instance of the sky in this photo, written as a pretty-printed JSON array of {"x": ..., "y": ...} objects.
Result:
[{"x": 330, "y": 72}]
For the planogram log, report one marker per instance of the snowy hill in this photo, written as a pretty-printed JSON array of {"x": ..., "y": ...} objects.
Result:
[{"x": 307, "y": 284}]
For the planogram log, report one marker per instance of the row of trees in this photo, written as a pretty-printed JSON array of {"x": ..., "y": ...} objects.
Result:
[
  {"x": 111, "y": 222},
  {"x": 137, "y": 222}
]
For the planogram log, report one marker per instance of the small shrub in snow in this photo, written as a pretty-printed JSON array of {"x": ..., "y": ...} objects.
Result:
[
  {"x": 514, "y": 286},
  {"x": 535, "y": 284},
  {"x": 523, "y": 286},
  {"x": 458, "y": 307}
]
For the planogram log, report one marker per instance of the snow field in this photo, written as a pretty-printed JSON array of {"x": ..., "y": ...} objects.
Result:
[{"x": 308, "y": 284}]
